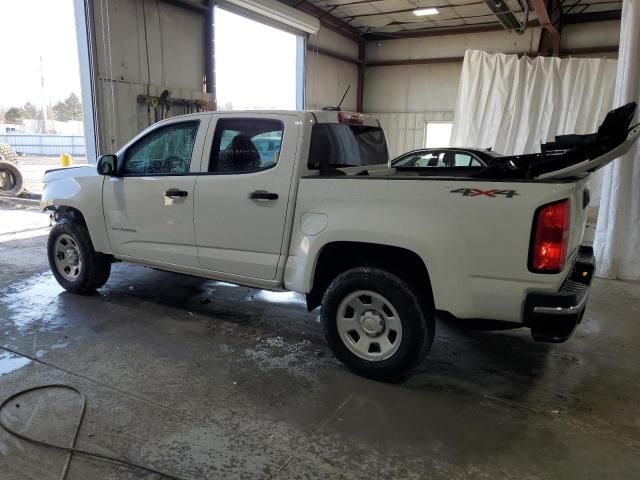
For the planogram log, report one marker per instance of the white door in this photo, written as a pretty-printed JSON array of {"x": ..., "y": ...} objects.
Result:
[
  {"x": 149, "y": 206},
  {"x": 243, "y": 194}
]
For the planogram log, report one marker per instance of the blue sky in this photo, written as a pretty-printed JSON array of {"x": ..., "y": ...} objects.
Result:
[{"x": 32, "y": 29}]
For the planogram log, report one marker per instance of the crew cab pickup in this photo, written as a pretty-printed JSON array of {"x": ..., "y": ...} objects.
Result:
[{"x": 307, "y": 201}]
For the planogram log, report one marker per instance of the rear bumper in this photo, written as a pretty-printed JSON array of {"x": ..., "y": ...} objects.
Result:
[{"x": 553, "y": 317}]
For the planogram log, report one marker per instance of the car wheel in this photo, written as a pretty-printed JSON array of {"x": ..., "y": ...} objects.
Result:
[
  {"x": 375, "y": 324},
  {"x": 77, "y": 267},
  {"x": 11, "y": 182}
]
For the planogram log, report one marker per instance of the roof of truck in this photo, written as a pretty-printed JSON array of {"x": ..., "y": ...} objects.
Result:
[{"x": 321, "y": 116}]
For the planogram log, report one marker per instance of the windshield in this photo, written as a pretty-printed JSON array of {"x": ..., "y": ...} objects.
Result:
[{"x": 342, "y": 145}]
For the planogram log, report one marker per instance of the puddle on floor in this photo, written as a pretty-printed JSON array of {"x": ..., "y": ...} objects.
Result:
[
  {"x": 32, "y": 303},
  {"x": 278, "y": 297},
  {"x": 10, "y": 362}
]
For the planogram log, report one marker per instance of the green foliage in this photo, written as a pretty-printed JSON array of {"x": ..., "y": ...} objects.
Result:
[
  {"x": 14, "y": 115},
  {"x": 30, "y": 111},
  {"x": 69, "y": 109}
]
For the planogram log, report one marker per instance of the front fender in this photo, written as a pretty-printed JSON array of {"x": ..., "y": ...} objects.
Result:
[{"x": 82, "y": 191}]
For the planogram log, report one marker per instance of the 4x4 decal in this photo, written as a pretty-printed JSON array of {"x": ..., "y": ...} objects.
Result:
[{"x": 476, "y": 192}]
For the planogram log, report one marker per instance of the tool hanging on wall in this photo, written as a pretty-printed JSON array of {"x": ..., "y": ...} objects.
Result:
[
  {"x": 165, "y": 106},
  {"x": 154, "y": 104},
  {"x": 165, "y": 103},
  {"x": 148, "y": 112}
]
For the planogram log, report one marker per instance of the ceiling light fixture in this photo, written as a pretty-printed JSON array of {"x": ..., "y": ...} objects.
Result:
[
  {"x": 506, "y": 16},
  {"x": 421, "y": 12}
]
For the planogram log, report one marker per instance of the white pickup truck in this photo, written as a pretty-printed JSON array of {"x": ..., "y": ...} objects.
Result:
[{"x": 306, "y": 201}]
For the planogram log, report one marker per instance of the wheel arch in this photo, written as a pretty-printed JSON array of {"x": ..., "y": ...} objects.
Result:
[
  {"x": 338, "y": 256},
  {"x": 60, "y": 212},
  {"x": 64, "y": 212}
]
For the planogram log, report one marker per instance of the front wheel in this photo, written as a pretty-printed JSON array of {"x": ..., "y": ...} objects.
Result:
[
  {"x": 375, "y": 324},
  {"x": 78, "y": 268}
]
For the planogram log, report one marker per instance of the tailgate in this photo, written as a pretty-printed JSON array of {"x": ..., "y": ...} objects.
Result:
[
  {"x": 571, "y": 156},
  {"x": 591, "y": 165},
  {"x": 574, "y": 155},
  {"x": 579, "y": 203}
]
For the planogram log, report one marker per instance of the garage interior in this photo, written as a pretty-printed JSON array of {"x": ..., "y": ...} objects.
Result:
[{"x": 203, "y": 379}]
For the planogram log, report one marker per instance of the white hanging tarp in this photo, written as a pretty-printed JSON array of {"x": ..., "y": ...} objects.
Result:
[
  {"x": 617, "y": 241},
  {"x": 512, "y": 104}
]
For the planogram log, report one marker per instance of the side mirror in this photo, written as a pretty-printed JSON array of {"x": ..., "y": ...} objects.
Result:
[{"x": 108, "y": 165}]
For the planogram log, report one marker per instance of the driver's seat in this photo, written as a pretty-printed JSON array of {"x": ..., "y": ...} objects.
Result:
[{"x": 240, "y": 156}]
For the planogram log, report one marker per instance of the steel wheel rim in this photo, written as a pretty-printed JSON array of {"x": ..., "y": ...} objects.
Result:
[
  {"x": 369, "y": 325},
  {"x": 67, "y": 257}
]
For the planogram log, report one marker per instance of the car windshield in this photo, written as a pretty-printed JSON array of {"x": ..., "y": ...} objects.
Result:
[{"x": 342, "y": 145}]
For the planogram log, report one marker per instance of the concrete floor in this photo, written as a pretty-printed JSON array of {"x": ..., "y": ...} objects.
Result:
[{"x": 209, "y": 380}]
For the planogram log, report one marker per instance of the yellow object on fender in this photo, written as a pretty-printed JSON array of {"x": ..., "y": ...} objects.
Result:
[{"x": 65, "y": 160}]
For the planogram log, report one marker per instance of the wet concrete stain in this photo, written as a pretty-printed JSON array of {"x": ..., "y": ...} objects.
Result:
[{"x": 10, "y": 362}]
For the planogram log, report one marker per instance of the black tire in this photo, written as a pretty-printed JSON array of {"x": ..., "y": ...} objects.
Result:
[
  {"x": 417, "y": 324},
  {"x": 7, "y": 153},
  {"x": 11, "y": 181},
  {"x": 95, "y": 267}
]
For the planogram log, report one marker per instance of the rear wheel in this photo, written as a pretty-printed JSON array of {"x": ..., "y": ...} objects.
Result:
[
  {"x": 375, "y": 323},
  {"x": 77, "y": 267}
]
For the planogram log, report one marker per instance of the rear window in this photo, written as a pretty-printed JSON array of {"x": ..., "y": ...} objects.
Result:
[{"x": 341, "y": 145}]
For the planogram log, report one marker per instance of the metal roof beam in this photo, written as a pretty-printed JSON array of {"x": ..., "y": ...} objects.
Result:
[{"x": 550, "y": 38}]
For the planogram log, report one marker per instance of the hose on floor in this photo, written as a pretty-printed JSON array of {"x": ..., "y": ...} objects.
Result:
[{"x": 72, "y": 449}]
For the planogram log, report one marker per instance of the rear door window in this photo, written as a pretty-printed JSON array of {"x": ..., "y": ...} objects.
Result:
[
  {"x": 243, "y": 145},
  {"x": 465, "y": 160}
]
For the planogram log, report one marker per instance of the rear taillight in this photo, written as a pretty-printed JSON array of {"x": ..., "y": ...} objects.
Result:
[{"x": 550, "y": 237}]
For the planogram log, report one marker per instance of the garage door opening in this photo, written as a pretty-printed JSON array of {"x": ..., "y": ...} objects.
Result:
[
  {"x": 41, "y": 102},
  {"x": 257, "y": 66}
]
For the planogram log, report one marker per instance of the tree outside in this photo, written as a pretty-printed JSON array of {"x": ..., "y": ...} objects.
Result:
[
  {"x": 69, "y": 109},
  {"x": 30, "y": 111},
  {"x": 63, "y": 111},
  {"x": 14, "y": 115}
]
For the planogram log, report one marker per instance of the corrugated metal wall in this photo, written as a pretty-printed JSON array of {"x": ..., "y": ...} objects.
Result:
[
  {"x": 143, "y": 46},
  {"x": 408, "y": 131},
  {"x": 44, "y": 144},
  {"x": 327, "y": 78}
]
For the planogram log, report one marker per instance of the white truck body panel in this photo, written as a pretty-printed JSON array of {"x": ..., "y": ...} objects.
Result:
[
  {"x": 79, "y": 187},
  {"x": 141, "y": 222},
  {"x": 475, "y": 248},
  {"x": 251, "y": 241}
]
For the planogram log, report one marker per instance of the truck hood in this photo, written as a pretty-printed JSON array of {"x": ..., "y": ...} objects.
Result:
[{"x": 85, "y": 170}]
